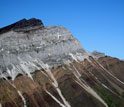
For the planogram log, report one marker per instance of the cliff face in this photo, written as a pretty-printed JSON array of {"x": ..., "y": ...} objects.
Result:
[
  {"x": 47, "y": 67},
  {"x": 27, "y": 41}
]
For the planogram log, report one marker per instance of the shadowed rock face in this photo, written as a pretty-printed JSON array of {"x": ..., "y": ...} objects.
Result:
[
  {"x": 28, "y": 23},
  {"x": 24, "y": 23},
  {"x": 47, "y": 67}
]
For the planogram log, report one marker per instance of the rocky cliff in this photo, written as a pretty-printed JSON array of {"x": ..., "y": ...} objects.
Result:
[{"x": 45, "y": 66}]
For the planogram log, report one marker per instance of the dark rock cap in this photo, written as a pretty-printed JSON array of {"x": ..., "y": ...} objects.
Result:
[{"x": 22, "y": 24}]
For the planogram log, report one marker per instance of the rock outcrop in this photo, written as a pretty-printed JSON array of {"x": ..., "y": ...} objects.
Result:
[
  {"x": 23, "y": 24},
  {"x": 51, "y": 45},
  {"x": 45, "y": 66}
]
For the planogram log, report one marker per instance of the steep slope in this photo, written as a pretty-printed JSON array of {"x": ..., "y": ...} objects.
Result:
[{"x": 47, "y": 67}]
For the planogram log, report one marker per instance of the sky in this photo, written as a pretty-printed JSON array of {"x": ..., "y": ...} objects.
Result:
[{"x": 97, "y": 24}]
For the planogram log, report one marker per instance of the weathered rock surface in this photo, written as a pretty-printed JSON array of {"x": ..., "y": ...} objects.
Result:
[
  {"x": 51, "y": 45},
  {"x": 98, "y": 54},
  {"x": 47, "y": 67}
]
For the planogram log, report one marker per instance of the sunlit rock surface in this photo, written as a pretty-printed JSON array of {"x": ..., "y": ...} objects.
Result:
[
  {"x": 98, "y": 54},
  {"x": 27, "y": 40},
  {"x": 45, "y": 66}
]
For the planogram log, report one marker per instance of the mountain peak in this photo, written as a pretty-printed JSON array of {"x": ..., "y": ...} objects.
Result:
[
  {"x": 47, "y": 67},
  {"x": 27, "y": 23},
  {"x": 24, "y": 23}
]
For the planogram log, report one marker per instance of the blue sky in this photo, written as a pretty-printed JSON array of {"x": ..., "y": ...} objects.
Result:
[{"x": 97, "y": 24}]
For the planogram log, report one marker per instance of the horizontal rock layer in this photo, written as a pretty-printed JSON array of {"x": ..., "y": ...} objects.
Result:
[
  {"x": 27, "y": 40},
  {"x": 47, "y": 67}
]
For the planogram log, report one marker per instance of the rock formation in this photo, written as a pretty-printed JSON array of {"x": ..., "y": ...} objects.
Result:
[{"x": 45, "y": 66}]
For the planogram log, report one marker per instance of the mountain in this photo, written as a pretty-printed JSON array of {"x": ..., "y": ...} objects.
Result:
[{"x": 45, "y": 66}]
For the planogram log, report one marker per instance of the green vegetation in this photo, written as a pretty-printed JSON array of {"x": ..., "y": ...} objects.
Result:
[
  {"x": 122, "y": 95},
  {"x": 110, "y": 99}
]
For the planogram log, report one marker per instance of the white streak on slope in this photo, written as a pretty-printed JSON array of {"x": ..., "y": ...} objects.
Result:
[
  {"x": 79, "y": 75},
  {"x": 79, "y": 56},
  {"x": 20, "y": 94},
  {"x": 55, "y": 99},
  {"x": 92, "y": 92},
  {"x": 86, "y": 87},
  {"x": 102, "y": 84},
  {"x": 22, "y": 98},
  {"x": 55, "y": 83},
  {"x": 0, "y": 105},
  {"x": 110, "y": 73},
  {"x": 73, "y": 57},
  {"x": 17, "y": 91},
  {"x": 27, "y": 71},
  {"x": 105, "y": 70}
]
